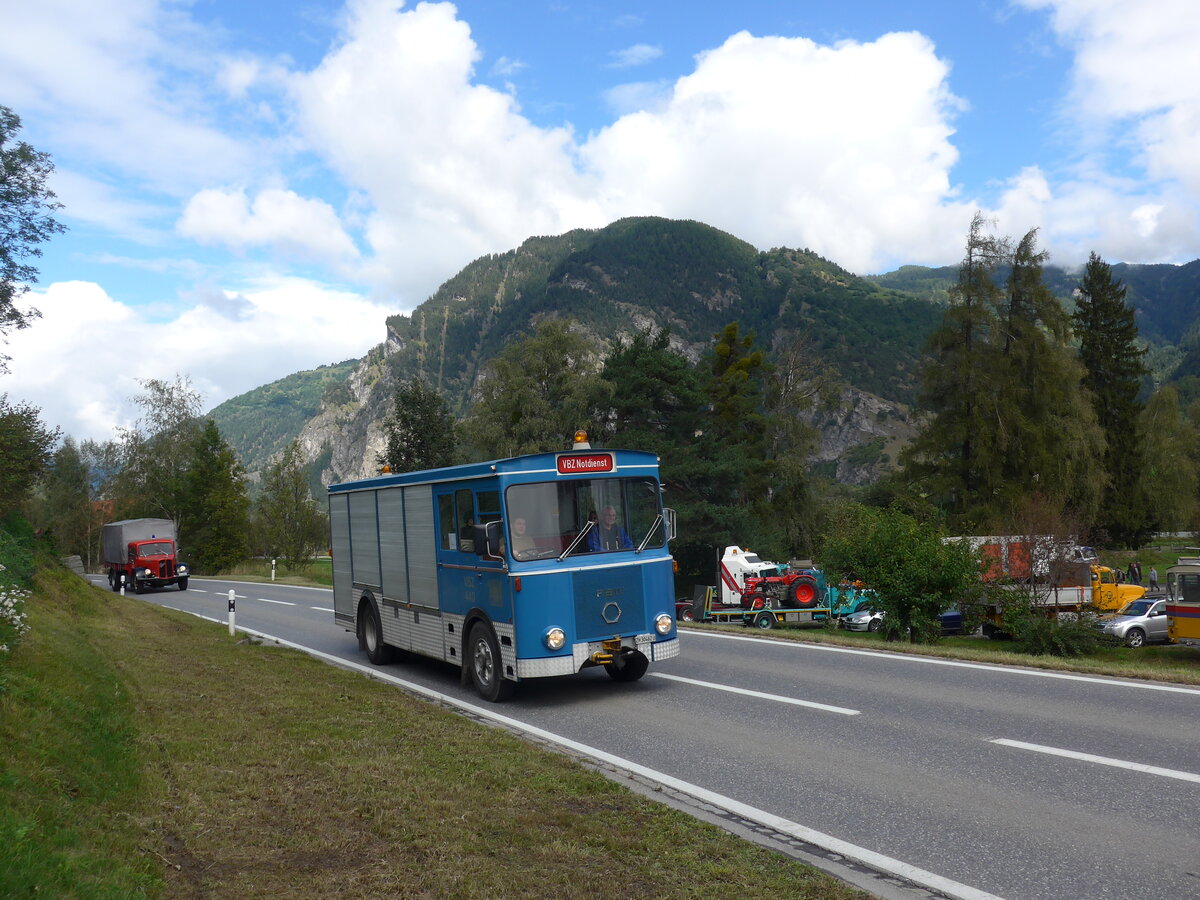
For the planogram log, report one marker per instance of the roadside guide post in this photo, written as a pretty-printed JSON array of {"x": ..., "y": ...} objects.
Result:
[
  {"x": 231, "y": 613},
  {"x": 272, "y": 570},
  {"x": 122, "y": 585}
]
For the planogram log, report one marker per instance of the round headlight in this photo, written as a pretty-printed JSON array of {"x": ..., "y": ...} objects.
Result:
[
  {"x": 555, "y": 638},
  {"x": 663, "y": 624},
  {"x": 182, "y": 570}
]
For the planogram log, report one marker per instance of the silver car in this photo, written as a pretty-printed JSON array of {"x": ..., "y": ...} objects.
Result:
[
  {"x": 864, "y": 620},
  {"x": 1139, "y": 622}
]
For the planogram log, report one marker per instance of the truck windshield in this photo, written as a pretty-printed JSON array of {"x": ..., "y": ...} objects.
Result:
[
  {"x": 155, "y": 548},
  {"x": 545, "y": 518}
]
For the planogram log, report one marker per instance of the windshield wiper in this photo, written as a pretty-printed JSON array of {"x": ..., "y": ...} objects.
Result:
[
  {"x": 653, "y": 528},
  {"x": 575, "y": 543}
]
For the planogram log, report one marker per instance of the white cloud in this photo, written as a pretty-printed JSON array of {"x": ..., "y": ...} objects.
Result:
[
  {"x": 297, "y": 227},
  {"x": 783, "y": 141},
  {"x": 118, "y": 83},
  {"x": 635, "y": 55},
  {"x": 843, "y": 149},
  {"x": 80, "y": 361},
  {"x": 1135, "y": 108},
  {"x": 452, "y": 169},
  {"x": 506, "y": 68}
]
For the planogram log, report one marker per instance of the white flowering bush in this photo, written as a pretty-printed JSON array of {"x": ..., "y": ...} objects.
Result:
[
  {"x": 16, "y": 578},
  {"x": 12, "y": 613}
]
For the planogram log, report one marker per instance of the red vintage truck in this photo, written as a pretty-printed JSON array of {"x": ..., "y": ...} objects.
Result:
[{"x": 141, "y": 553}]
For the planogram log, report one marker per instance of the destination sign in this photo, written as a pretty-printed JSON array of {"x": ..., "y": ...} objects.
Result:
[{"x": 585, "y": 463}]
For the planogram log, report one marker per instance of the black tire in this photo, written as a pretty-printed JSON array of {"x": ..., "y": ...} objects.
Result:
[
  {"x": 1135, "y": 638},
  {"x": 486, "y": 665},
  {"x": 765, "y": 621},
  {"x": 874, "y": 624},
  {"x": 628, "y": 666},
  {"x": 113, "y": 583},
  {"x": 183, "y": 584},
  {"x": 370, "y": 634},
  {"x": 137, "y": 588},
  {"x": 687, "y": 615}
]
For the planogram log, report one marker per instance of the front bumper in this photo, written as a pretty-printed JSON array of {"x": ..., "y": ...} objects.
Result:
[{"x": 582, "y": 652}]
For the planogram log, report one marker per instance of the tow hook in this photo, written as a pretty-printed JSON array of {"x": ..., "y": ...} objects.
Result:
[{"x": 604, "y": 657}]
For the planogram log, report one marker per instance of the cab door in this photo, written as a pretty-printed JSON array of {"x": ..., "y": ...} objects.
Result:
[{"x": 468, "y": 576}]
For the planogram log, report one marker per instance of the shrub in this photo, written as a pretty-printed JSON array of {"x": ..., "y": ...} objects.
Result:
[
  {"x": 16, "y": 575},
  {"x": 1043, "y": 635}
]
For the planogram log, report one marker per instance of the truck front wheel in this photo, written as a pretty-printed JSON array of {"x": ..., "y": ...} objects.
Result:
[
  {"x": 628, "y": 666},
  {"x": 483, "y": 656},
  {"x": 183, "y": 584}
]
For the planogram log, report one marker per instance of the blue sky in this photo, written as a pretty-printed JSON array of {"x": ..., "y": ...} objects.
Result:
[{"x": 251, "y": 188}]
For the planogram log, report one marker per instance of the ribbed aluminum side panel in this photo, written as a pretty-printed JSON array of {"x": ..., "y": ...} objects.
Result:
[
  {"x": 396, "y": 624},
  {"x": 339, "y": 538},
  {"x": 364, "y": 538},
  {"x": 427, "y": 634},
  {"x": 391, "y": 545},
  {"x": 421, "y": 546}
]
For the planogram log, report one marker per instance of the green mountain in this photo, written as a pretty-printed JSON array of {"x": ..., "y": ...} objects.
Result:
[
  {"x": 262, "y": 422},
  {"x": 687, "y": 276},
  {"x": 638, "y": 272}
]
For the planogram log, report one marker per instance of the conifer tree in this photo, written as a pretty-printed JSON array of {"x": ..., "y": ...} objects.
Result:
[
  {"x": 954, "y": 458},
  {"x": 216, "y": 509},
  {"x": 1171, "y": 463},
  {"x": 1114, "y": 367},
  {"x": 735, "y": 490},
  {"x": 658, "y": 405},
  {"x": 1052, "y": 444}
]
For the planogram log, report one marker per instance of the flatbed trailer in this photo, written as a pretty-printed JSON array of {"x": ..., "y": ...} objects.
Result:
[{"x": 704, "y": 608}]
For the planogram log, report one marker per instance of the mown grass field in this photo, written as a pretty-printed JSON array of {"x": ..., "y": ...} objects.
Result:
[{"x": 149, "y": 754}]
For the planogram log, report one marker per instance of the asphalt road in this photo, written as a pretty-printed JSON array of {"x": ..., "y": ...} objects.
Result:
[{"x": 1016, "y": 783}]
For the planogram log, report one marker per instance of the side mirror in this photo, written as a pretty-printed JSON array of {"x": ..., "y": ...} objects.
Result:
[
  {"x": 669, "y": 517},
  {"x": 487, "y": 540}
]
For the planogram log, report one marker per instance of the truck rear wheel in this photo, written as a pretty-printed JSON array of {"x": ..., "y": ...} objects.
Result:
[
  {"x": 765, "y": 621},
  {"x": 114, "y": 581},
  {"x": 370, "y": 634}
]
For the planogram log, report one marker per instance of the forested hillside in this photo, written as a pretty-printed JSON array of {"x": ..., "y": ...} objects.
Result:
[
  {"x": 640, "y": 272},
  {"x": 261, "y": 422}
]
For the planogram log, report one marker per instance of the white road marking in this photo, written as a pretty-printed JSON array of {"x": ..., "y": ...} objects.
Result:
[
  {"x": 321, "y": 608},
  {"x": 877, "y": 861},
  {"x": 197, "y": 591},
  {"x": 280, "y": 602},
  {"x": 1101, "y": 760},
  {"x": 759, "y": 694},
  {"x": 953, "y": 663}
]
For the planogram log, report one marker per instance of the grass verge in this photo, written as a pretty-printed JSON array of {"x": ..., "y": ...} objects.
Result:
[
  {"x": 147, "y": 753},
  {"x": 1169, "y": 663}
]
